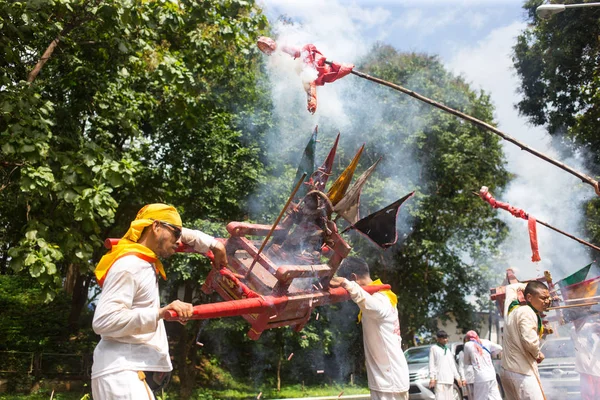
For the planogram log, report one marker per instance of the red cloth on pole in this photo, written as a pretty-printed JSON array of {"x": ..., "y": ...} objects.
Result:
[
  {"x": 518, "y": 213},
  {"x": 312, "y": 56},
  {"x": 327, "y": 72}
]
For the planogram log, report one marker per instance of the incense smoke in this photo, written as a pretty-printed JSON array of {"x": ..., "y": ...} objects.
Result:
[{"x": 541, "y": 189}]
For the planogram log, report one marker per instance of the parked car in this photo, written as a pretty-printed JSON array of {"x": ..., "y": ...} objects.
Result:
[
  {"x": 559, "y": 378},
  {"x": 418, "y": 371}
]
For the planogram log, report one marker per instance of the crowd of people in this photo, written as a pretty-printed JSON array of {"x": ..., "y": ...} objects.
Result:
[{"x": 132, "y": 360}]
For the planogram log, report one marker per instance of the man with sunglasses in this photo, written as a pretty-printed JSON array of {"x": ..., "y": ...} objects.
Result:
[{"x": 132, "y": 358}]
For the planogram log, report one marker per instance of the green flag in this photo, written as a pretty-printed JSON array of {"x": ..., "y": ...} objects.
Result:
[
  {"x": 307, "y": 163},
  {"x": 577, "y": 277}
]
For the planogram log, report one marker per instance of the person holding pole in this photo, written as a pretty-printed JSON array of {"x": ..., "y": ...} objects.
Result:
[
  {"x": 132, "y": 358},
  {"x": 387, "y": 370}
]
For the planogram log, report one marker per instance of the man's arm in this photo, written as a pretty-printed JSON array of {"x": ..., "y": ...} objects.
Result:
[
  {"x": 494, "y": 348},
  {"x": 114, "y": 316},
  {"x": 512, "y": 293},
  {"x": 468, "y": 350},
  {"x": 455, "y": 370},
  {"x": 461, "y": 366},
  {"x": 201, "y": 242},
  {"x": 433, "y": 367},
  {"x": 369, "y": 304}
]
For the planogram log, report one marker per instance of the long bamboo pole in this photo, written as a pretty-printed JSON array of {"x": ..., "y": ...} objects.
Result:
[
  {"x": 285, "y": 207},
  {"x": 584, "y": 177},
  {"x": 547, "y": 225},
  {"x": 572, "y": 306}
]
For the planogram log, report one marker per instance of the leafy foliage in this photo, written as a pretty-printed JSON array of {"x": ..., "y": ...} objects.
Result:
[{"x": 168, "y": 86}]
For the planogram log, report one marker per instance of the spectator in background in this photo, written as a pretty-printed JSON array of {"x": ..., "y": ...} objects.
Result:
[
  {"x": 478, "y": 355},
  {"x": 442, "y": 368}
]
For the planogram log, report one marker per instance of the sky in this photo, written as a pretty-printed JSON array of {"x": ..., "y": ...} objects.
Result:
[{"x": 473, "y": 39}]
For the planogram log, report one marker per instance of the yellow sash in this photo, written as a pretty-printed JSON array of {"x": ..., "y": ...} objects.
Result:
[{"x": 391, "y": 295}]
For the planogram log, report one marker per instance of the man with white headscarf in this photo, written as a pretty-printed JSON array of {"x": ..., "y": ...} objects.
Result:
[
  {"x": 132, "y": 358},
  {"x": 478, "y": 355}
]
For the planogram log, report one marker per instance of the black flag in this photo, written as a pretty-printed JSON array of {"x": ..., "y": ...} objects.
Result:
[{"x": 380, "y": 226}]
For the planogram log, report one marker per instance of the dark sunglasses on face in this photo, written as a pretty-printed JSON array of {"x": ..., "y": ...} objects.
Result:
[{"x": 175, "y": 229}]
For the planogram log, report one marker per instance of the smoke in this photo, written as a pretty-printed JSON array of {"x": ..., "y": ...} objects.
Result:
[
  {"x": 541, "y": 189},
  {"x": 346, "y": 106}
]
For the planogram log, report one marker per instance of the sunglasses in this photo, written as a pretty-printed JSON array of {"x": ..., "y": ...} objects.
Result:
[{"x": 175, "y": 229}]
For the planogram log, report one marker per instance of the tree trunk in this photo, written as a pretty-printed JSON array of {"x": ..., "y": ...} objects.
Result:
[
  {"x": 4, "y": 261},
  {"x": 79, "y": 296},
  {"x": 279, "y": 373},
  {"x": 48, "y": 53},
  {"x": 186, "y": 370}
]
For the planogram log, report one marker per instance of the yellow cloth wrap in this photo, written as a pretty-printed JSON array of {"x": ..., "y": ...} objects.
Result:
[
  {"x": 128, "y": 246},
  {"x": 149, "y": 214},
  {"x": 391, "y": 295}
]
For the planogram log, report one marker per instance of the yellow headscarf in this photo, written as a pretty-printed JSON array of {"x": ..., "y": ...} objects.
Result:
[
  {"x": 128, "y": 244},
  {"x": 391, "y": 295}
]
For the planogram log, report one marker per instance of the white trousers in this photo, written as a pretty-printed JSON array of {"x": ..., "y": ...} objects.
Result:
[
  {"x": 375, "y": 395},
  {"x": 521, "y": 387},
  {"x": 444, "y": 391},
  {"x": 124, "y": 385},
  {"x": 485, "y": 390}
]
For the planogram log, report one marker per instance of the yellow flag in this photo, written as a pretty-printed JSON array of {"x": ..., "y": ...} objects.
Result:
[{"x": 339, "y": 187}]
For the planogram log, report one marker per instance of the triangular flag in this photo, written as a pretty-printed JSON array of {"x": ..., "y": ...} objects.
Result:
[
  {"x": 576, "y": 277},
  {"x": 339, "y": 187},
  {"x": 307, "y": 163},
  {"x": 321, "y": 175},
  {"x": 349, "y": 205},
  {"x": 380, "y": 226},
  {"x": 581, "y": 289}
]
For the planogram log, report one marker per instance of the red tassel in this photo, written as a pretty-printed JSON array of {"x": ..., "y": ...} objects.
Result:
[{"x": 535, "y": 257}]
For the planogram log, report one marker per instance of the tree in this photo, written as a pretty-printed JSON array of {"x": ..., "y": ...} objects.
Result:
[
  {"x": 108, "y": 105},
  {"x": 557, "y": 61}
]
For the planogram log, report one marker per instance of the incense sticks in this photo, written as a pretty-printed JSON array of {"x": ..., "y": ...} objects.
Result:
[{"x": 572, "y": 305}]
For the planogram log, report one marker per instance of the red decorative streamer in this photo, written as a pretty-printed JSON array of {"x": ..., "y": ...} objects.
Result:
[{"x": 518, "y": 213}]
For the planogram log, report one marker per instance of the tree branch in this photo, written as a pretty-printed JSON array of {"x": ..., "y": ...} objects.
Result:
[{"x": 48, "y": 53}]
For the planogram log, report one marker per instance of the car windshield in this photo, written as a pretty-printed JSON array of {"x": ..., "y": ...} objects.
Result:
[
  {"x": 417, "y": 355},
  {"x": 558, "y": 349}
]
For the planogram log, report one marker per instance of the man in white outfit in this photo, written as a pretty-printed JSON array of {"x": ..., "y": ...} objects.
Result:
[
  {"x": 387, "y": 371},
  {"x": 442, "y": 368},
  {"x": 523, "y": 330},
  {"x": 132, "y": 358},
  {"x": 478, "y": 355}
]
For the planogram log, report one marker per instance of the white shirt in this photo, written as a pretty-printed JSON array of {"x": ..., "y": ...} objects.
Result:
[
  {"x": 521, "y": 341},
  {"x": 387, "y": 370},
  {"x": 483, "y": 368},
  {"x": 133, "y": 337},
  {"x": 442, "y": 366}
]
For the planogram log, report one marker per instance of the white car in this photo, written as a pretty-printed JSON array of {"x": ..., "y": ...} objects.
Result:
[{"x": 559, "y": 378}]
